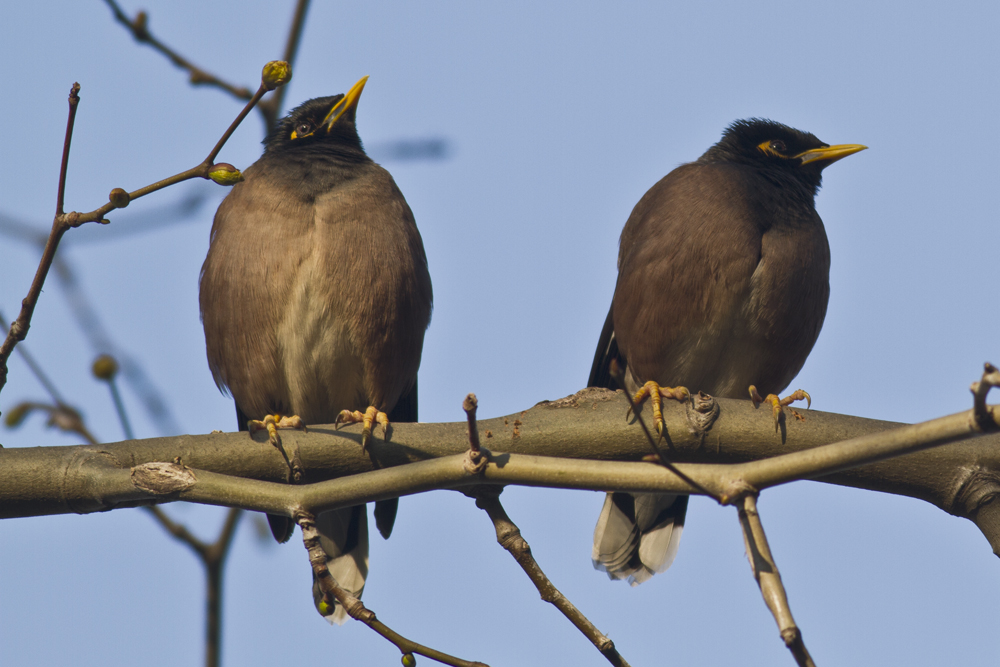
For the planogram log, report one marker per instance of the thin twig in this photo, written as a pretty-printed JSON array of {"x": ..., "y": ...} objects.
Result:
[
  {"x": 120, "y": 408},
  {"x": 271, "y": 107},
  {"x": 354, "y": 607},
  {"x": 36, "y": 369},
  {"x": 74, "y": 101},
  {"x": 509, "y": 537},
  {"x": 64, "y": 221},
  {"x": 139, "y": 27},
  {"x": 769, "y": 579},
  {"x": 19, "y": 330}
]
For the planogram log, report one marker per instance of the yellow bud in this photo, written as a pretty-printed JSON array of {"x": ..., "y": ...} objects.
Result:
[
  {"x": 105, "y": 367},
  {"x": 17, "y": 414},
  {"x": 409, "y": 660},
  {"x": 119, "y": 198},
  {"x": 323, "y": 607},
  {"x": 276, "y": 73},
  {"x": 224, "y": 173}
]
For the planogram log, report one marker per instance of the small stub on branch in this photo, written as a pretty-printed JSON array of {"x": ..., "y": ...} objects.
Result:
[
  {"x": 163, "y": 478},
  {"x": 984, "y": 414}
]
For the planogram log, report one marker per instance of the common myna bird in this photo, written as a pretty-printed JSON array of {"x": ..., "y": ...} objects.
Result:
[
  {"x": 315, "y": 296},
  {"x": 723, "y": 281}
]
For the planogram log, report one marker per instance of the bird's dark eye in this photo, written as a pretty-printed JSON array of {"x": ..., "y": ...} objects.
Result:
[
  {"x": 778, "y": 146},
  {"x": 303, "y": 129}
]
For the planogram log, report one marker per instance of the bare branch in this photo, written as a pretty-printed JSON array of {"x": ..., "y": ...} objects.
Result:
[
  {"x": 118, "y": 199},
  {"x": 19, "y": 330},
  {"x": 354, "y": 607},
  {"x": 509, "y": 537},
  {"x": 35, "y": 368},
  {"x": 769, "y": 579},
  {"x": 962, "y": 479},
  {"x": 271, "y": 107},
  {"x": 139, "y": 27}
]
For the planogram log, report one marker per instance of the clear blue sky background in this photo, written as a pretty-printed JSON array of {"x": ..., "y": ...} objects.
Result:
[{"x": 559, "y": 117}]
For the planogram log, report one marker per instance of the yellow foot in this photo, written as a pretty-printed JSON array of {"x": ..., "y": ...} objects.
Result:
[
  {"x": 272, "y": 423},
  {"x": 777, "y": 404},
  {"x": 657, "y": 393},
  {"x": 370, "y": 416}
]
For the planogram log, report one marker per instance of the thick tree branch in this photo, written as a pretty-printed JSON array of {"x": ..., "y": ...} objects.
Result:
[{"x": 962, "y": 478}]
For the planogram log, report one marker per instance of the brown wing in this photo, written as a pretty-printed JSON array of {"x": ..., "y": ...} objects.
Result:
[
  {"x": 687, "y": 256},
  {"x": 245, "y": 280}
]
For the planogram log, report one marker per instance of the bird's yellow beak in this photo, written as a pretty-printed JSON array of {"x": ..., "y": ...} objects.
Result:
[
  {"x": 348, "y": 101},
  {"x": 830, "y": 154}
]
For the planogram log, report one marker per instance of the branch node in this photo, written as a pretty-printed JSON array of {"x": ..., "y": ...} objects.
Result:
[
  {"x": 985, "y": 416},
  {"x": 701, "y": 412},
  {"x": 735, "y": 491},
  {"x": 163, "y": 478},
  {"x": 791, "y": 635}
]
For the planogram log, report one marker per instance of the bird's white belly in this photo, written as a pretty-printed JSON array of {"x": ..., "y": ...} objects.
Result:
[{"x": 323, "y": 370}]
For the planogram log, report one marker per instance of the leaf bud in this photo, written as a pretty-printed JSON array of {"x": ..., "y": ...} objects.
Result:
[
  {"x": 224, "y": 173},
  {"x": 105, "y": 367},
  {"x": 276, "y": 73},
  {"x": 119, "y": 198},
  {"x": 17, "y": 414}
]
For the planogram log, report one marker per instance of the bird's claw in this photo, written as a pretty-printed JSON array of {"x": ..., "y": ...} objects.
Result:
[
  {"x": 778, "y": 404},
  {"x": 371, "y": 416},
  {"x": 271, "y": 423},
  {"x": 656, "y": 393}
]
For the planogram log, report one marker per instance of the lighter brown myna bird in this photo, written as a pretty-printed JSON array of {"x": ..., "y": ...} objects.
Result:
[
  {"x": 315, "y": 297},
  {"x": 723, "y": 281}
]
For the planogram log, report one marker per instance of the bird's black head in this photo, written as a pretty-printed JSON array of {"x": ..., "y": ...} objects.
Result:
[
  {"x": 323, "y": 124},
  {"x": 777, "y": 148}
]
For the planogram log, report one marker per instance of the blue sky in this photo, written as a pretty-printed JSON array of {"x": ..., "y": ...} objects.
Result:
[{"x": 558, "y": 118}]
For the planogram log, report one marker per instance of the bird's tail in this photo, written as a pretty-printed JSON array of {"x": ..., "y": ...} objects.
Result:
[
  {"x": 638, "y": 535},
  {"x": 344, "y": 538}
]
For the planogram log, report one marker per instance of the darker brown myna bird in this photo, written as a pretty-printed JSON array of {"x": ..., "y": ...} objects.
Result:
[
  {"x": 723, "y": 281},
  {"x": 315, "y": 296}
]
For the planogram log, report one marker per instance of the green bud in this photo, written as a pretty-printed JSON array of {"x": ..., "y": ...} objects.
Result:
[
  {"x": 105, "y": 367},
  {"x": 17, "y": 414},
  {"x": 119, "y": 198},
  {"x": 409, "y": 660},
  {"x": 224, "y": 173},
  {"x": 276, "y": 73},
  {"x": 324, "y": 608}
]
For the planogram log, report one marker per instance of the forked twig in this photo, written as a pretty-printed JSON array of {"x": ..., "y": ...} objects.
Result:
[
  {"x": 275, "y": 75},
  {"x": 139, "y": 27},
  {"x": 509, "y": 537},
  {"x": 355, "y": 608}
]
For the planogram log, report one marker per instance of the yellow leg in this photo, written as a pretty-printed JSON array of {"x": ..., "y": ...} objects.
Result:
[
  {"x": 777, "y": 404},
  {"x": 656, "y": 393},
  {"x": 371, "y": 416},
  {"x": 272, "y": 423}
]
